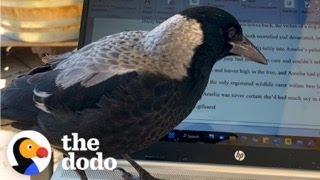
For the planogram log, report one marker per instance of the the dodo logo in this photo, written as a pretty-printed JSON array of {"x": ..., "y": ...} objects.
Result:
[{"x": 29, "y": 153}]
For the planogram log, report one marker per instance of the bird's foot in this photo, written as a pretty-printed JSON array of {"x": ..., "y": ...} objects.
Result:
[
  {"x": 125, "y": 175},
  {"x": 82, "y": 174},
  {"x": 143, "y": 175}
]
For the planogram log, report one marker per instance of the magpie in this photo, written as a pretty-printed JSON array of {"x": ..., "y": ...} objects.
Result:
[{"x": 127, "y": 89}]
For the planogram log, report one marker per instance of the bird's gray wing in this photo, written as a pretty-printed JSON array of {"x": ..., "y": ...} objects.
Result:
[
  {"x": 95, "y": 72},
  {"x": 100, "y": 91},
  {"x": 53, "y": 59},
  {"x": 116, "y": 54},
  {"x": 21, "y": 101},
  {"x": 90, "y": 66}
]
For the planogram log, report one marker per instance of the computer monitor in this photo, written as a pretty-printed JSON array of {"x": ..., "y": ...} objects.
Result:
[{"x": 249, "y": 114}]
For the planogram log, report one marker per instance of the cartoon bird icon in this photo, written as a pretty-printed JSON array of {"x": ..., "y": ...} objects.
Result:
[
  {"x": 128, "y": 89},
  {"x": 24, "y": 150}
]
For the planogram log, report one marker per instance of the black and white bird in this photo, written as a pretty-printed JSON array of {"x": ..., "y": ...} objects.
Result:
[{"x": 128, "y": 89}]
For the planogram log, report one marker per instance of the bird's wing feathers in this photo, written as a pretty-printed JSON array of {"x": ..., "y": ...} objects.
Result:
[
  {"x": 53, "y": 59},
  {"x": 89, "y": 66},
  {"x": 116, "y": 104},
  {"x": 80, "y": 81},
  {"x": 116, "y": 54},
  {"x": 17, "y": 99}
]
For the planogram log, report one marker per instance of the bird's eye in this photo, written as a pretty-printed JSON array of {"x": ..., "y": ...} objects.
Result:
[
  {"x": 29, "y": 146},
  {"x": 232, "y": 33}
]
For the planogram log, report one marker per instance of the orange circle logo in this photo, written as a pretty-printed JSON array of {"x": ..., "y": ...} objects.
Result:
[{"x": 29, "y": 153}]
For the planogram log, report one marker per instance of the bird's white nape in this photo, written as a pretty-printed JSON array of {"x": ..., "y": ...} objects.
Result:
[{"x": 172, "y": 45}]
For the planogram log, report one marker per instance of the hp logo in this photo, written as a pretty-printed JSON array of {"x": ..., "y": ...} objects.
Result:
[{"x": 239, "y": 155}]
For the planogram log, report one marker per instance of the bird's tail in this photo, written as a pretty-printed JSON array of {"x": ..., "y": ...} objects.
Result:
[{"x": 17, "y": 103}]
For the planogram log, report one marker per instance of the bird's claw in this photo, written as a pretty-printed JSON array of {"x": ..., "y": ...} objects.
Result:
[
  {"x": 128, "y": 176},
  {"x": 125, "y": 175}
]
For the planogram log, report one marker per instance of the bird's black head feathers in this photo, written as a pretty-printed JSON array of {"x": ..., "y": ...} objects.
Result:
[{"x": 218, "y": 26}]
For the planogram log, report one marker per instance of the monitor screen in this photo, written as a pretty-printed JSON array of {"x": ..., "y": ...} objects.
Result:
[{"x": 247, "y": 104}]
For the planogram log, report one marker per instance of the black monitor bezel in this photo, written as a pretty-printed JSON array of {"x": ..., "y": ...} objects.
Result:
[
  {"x": 82, "y": 33},
  {"x": 217, "y": 153}
]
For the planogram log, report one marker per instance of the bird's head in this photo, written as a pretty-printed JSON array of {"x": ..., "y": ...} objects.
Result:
[{"x": 223, "y": 34}]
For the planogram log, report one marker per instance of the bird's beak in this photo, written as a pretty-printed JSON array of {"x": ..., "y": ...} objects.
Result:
[{"x": 246, "y": 49}]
